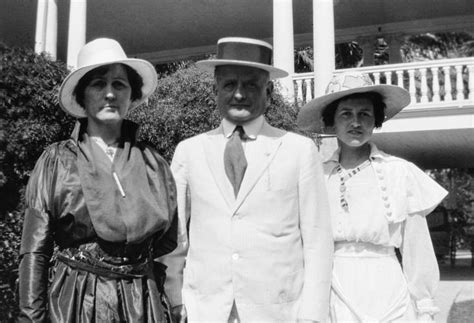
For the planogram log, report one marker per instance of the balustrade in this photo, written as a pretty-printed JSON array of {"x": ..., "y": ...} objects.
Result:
[{"x": 429, "y": 82}]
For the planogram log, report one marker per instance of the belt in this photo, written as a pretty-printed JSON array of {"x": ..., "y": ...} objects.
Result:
[{"x": 362, "y": 249}]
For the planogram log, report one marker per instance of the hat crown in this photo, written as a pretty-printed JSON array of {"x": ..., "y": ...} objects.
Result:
[
  {"x": 100, "y": 51},
  {"x": 244, "y": 49},
  {"x": 348, "y": 81}
]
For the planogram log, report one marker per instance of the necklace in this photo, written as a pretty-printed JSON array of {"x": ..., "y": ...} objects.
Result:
[{"x": 343, "y": 178}]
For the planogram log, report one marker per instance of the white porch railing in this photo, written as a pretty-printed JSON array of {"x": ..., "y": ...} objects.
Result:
[{"x": 448, "y": 81}]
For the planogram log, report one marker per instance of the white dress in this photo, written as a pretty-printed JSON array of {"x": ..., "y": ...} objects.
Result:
[{"x": 387, "y": 204}]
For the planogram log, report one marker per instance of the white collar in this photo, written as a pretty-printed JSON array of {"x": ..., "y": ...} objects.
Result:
[
  {"x": 375, "y": 154},
  {"x": 251, "y": 128}
]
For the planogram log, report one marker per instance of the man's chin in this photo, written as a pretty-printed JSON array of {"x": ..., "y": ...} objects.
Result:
[{"x": 239, "y": 117}]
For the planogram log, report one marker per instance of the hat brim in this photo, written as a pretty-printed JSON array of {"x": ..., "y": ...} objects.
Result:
[
  {"x": 67, "y": 99},
  {"x": 310, "y": 115},
  {"x": 210, "y": 65}
]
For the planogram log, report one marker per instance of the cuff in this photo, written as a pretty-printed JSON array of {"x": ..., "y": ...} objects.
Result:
[{"x": 426, "y": 306}]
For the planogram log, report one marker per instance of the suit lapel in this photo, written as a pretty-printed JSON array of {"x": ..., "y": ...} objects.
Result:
[
  {"x": 214, "y": 145},
  {"x": 260, "y": 157}
]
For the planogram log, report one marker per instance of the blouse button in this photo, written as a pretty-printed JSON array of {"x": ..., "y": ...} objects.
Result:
[
  {"x": 384, "y": 198},
  {"x": 378, "y": 170},
  {"x": 383, "y": 188},
  {"x": 387, "y": 205}
]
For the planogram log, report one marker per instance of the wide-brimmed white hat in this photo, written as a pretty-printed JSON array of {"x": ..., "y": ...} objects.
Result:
[
  {"x": 243, "y": 52},
  {"x": 99, "y": 52},
  {"x": 344, "y": 84}
]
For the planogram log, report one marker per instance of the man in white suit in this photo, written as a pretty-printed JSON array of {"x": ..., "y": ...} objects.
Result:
[{"x": 255, "y": 240}]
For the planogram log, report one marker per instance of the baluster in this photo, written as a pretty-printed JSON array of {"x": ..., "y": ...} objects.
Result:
[
  {"x": 470, "y": 70},
  {"x": 459, "y": 85},
  {"x": 424, "y": 86},
  {"x": 309, "y": 92},
  {"x": 412, "y": 88},
  {"x": 376, "y": 77},
  {"x": 388, "y": 77},
  {"x": 400, "y": 78},
  {"x": 299, "y": 91},
  {"x": 447, "y": 84},
  {"x": 434, "y": 71}
]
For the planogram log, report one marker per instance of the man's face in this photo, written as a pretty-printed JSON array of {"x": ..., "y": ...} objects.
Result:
[{"x": 242, "y": 92}]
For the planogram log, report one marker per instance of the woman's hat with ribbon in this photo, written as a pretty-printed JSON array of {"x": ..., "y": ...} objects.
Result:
[
  {"x": 243, "y": 52},
  {"x": 342, "y": 85},
  {"x": 99, "y": 52}
]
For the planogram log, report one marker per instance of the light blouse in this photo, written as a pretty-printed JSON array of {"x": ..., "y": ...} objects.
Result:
[{"x": 387, "y": 204}]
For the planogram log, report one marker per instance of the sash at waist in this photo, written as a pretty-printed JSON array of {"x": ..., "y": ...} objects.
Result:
[{"x": 362, "y": 249}]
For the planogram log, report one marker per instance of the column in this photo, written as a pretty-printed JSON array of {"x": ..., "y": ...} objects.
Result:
[
  {"x": 324, "y": 59},
  {"x": 283, "y": 44},
  {"x": 77, "y": 30},
  {"x": 51, "y": 40},
  {"x": 367, "y": 45},
  {"x": 40, "y": 33},
  {"x": 323, "y": 39},
  {"x": 395, "y": 42}
]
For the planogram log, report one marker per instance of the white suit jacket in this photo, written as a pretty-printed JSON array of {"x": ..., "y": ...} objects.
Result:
[{"x": 269, "y": 249}]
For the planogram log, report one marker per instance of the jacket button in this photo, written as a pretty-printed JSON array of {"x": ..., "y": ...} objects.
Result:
[{"x": 235, "y": 256}]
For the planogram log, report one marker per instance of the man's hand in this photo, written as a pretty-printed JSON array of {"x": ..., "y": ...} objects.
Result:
[{"x": 179, "y": 314}]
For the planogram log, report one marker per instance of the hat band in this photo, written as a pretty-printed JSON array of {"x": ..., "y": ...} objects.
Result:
[{"x": 244, "y": 52}]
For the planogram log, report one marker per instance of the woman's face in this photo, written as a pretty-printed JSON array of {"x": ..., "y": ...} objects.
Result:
[
  {"x": 107, "y": 97},
  {"x": 354, "y": 121}
]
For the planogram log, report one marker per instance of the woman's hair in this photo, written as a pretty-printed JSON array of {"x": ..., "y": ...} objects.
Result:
[
  {"x": 376, "y": 99},
  {"x": 135, "y": 80}
]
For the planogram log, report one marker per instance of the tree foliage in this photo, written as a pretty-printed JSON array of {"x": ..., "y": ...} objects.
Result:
[
  {"x": 432, "y": 46},
  {"x": 347, "y": 55}
]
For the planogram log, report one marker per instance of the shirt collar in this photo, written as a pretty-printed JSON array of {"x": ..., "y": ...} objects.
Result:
[{"x": 251, "y": 128}]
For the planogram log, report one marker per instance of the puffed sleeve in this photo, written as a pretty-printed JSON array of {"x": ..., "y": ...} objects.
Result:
[
  {"x": 423, "y": 193},
  {"x": 419, "y": 260},
  {"x": 37, "y": 241},
  {"x": 175, "y": 260}
]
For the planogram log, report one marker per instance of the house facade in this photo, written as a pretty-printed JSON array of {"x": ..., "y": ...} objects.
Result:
[{"x": 435, "y": 131}]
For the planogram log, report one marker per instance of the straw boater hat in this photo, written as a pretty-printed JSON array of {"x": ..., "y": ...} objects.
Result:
[
  {"x": 341, "y": 85},
  {"x": 243, "y": 52},
  {"x": 99, "y": 52}
]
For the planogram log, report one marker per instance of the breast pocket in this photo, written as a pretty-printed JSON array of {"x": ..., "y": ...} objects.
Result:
[{"x": 277, "y": 177}]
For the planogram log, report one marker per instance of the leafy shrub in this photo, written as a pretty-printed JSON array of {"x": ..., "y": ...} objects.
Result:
[
  {"x": 10, "y": 231},
  {"x": 30, "y": 117}
]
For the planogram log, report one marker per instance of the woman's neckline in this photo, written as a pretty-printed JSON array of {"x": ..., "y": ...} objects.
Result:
[{"x": 350, "y": 158}]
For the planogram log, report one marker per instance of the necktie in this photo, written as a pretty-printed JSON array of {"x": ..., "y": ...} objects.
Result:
[{"x": 234, "y": 159}]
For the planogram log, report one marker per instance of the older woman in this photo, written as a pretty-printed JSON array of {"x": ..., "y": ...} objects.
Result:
[
  {"x": 106, "y": 200},
  {"x": 378, "y": 202}
]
